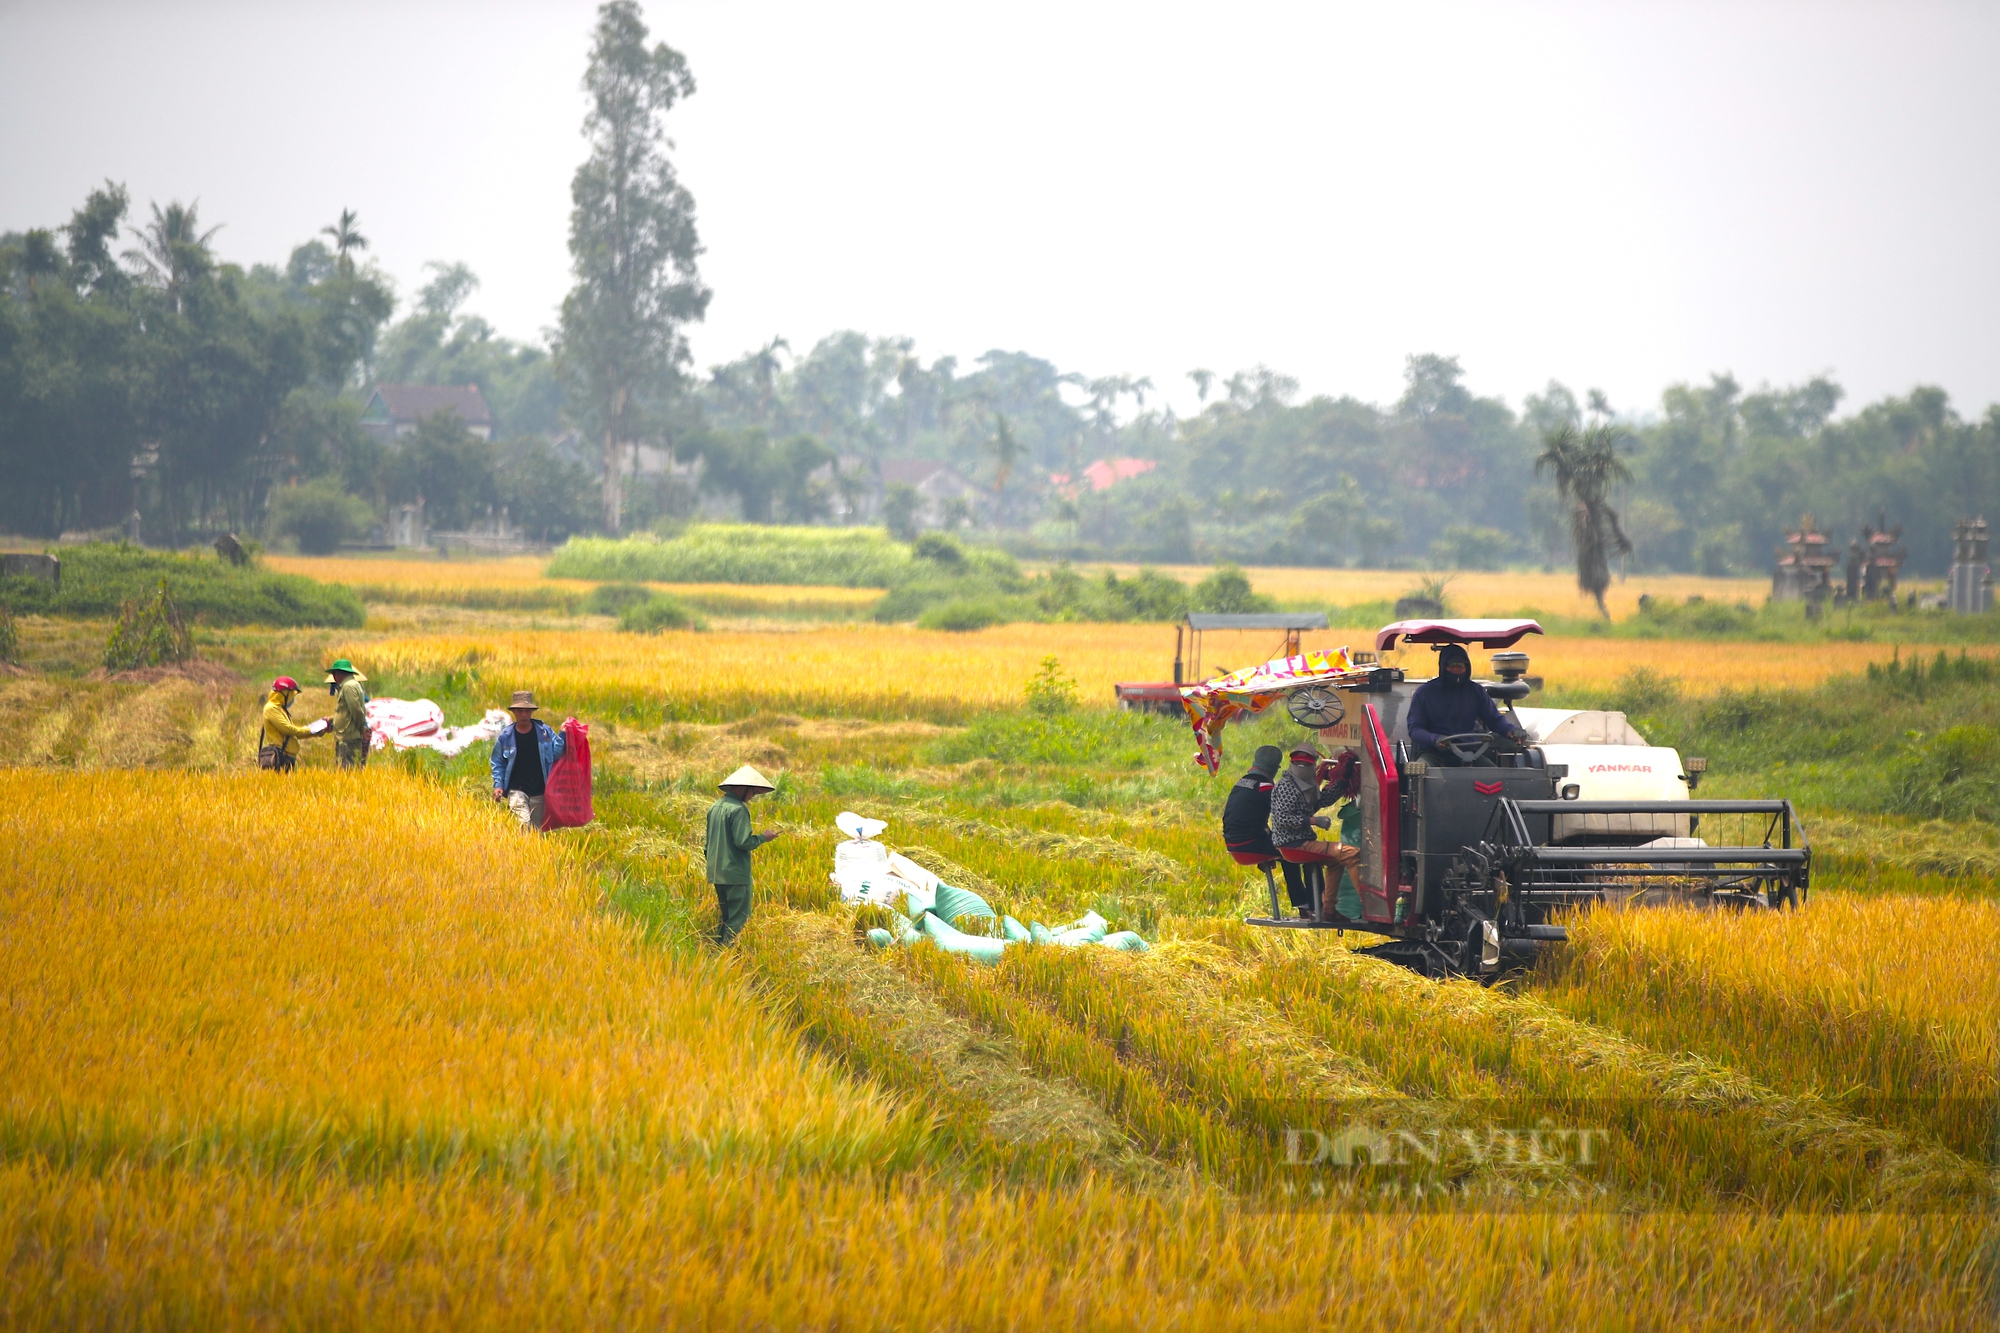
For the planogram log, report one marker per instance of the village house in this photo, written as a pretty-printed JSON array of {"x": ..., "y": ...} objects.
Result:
[
  {"x": 937, "y": 485},
  {"x": 393, "y": 410}
]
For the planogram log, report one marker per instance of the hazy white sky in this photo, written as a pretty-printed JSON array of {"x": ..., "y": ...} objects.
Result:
[{"x": 1617, "y": 195}]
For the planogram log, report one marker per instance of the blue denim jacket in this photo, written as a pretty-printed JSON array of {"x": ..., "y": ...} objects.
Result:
[{"x": 548, "y": 739}]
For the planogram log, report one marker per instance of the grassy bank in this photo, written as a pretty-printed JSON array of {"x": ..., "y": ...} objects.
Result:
[{"x": 209, "y": 590}]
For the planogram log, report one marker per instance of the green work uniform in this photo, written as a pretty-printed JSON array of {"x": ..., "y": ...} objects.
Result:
[
  {"x": 350, "y": 724},
  {"x": 730, "y": 843}
]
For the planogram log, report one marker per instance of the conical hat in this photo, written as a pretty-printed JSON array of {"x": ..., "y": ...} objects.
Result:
[{"x": 746, "y": 776}]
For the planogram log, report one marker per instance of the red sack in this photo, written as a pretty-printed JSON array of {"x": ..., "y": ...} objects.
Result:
[{"x": 566, "y": 795}]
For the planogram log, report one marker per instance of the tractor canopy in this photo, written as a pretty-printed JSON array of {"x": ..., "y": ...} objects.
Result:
[
  {"x": 1489, "y": 634},
  {"x": 1214, "y": 704}
]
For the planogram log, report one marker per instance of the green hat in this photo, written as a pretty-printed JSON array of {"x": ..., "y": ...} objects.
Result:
[{"x": 342, "y": 664}]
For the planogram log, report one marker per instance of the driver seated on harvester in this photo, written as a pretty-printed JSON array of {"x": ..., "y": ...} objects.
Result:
[{"x": 1455, "y": 705}]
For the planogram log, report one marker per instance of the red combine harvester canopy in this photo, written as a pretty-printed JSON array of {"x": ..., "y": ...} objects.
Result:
[{"x": 1489, "y": 634}]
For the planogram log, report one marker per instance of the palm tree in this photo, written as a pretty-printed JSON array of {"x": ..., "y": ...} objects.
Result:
[
  {"x": 1007, "y": 451},
  {"x": 765, "y": 369},
  {"x": 346, "y": 240},
  {"x": 173, "y": 249},
  {"x": 1586, "y": 464}
]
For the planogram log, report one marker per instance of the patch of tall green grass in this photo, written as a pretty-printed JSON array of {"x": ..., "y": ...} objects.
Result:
[
  {"x": 741, "y": 553},
  {"x": 97, "y": 578}
]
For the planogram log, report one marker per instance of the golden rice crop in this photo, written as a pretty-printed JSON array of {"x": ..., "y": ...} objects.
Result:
[
  {"x": 1891, "y": 999},
  {"x": 347, "y": 1049},
  {"x": 364, "y": 964},
  {"x": 896, "y": 670},
  {"x": 415, "y": 574},
  {"x": 152, "y": 1247},
  {"x": 1197, "y": 1047},
  {"x": 516, "y": 582},
  {"x": 1475, "y": 592}
]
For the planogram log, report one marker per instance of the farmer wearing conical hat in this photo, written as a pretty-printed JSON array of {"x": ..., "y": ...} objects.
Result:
[
  {"x": 350, "y": 714},
  {"x": 523, "y": 754},
  {"x": 730, "y": 843}
]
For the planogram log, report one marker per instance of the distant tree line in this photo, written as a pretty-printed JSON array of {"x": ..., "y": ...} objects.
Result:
[
  {"x": 1708, "y": 482},
  {"x": 158, "y": 380},
  {"x": 140, "y": 373}
]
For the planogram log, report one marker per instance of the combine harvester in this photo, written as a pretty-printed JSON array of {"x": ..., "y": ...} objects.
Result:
[{"x": 1466, "y": 869}]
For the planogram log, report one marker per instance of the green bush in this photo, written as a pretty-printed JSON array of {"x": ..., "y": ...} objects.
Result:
[
  {"x": 1915, "y": 678},
  {"x": 149, "y": 633},
  {"x": 612, "y": 599},
  {"x": 658, "y": 612},
  {"x": 741, "y": 553},
  {"x": 1064, "y": 594},
  {"x": 943, "y": 572},
  {"x": 319, "y": 515},
  {"x": 98, "y": 579},
  {"x": 963, "y": 614},
  {"x": 1952, "y": 775},
  {"x": 1050, "y": 692},
  {"x": 1464, "y": 546},
  {"x": 10, "y": 636},
  {"x": 1644, "y": 690},
  {"x": 940, "y": 549},
  {"x": 1227, "y": 590},
  {"x": 1697, "y": 618}
]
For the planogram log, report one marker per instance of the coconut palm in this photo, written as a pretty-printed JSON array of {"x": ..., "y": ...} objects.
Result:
[
  {"x": 1585, "y": 464},
  {"x": 173, "y": 249},
  {"x": 346, "y": 241}
]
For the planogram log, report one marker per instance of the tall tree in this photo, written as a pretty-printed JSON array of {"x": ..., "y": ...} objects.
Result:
[
  {"x": 347, "y": 239},
  {"x": 173, "y": 251},
  {"x": 1006, "y": 451},
  {"x": 1585, "y": 464},
  {"x": 632, "y": 242}
]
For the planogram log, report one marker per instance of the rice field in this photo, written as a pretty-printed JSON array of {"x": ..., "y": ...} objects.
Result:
[
  {"x": 1472, "y": 592},
  {"x": 349, "y": 1049},
  {"x": 892, "y": 670},
  {"x": 516, "y": 583}
]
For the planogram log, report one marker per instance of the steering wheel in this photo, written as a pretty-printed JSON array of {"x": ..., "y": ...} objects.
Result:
[{"x": 1468, "y": 747}]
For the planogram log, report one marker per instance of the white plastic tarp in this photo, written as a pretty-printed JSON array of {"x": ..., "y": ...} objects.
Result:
[{"x": 418, "y": 724}]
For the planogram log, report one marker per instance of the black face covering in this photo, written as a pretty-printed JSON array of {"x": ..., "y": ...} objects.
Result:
[{"x": 1449, "y": 654}]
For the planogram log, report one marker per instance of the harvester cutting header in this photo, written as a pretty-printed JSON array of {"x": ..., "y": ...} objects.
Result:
[{"x": 1471, "y": 843}]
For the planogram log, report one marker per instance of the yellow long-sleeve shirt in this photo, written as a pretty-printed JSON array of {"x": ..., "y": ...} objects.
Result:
[{"x": 279, "y": 729}]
